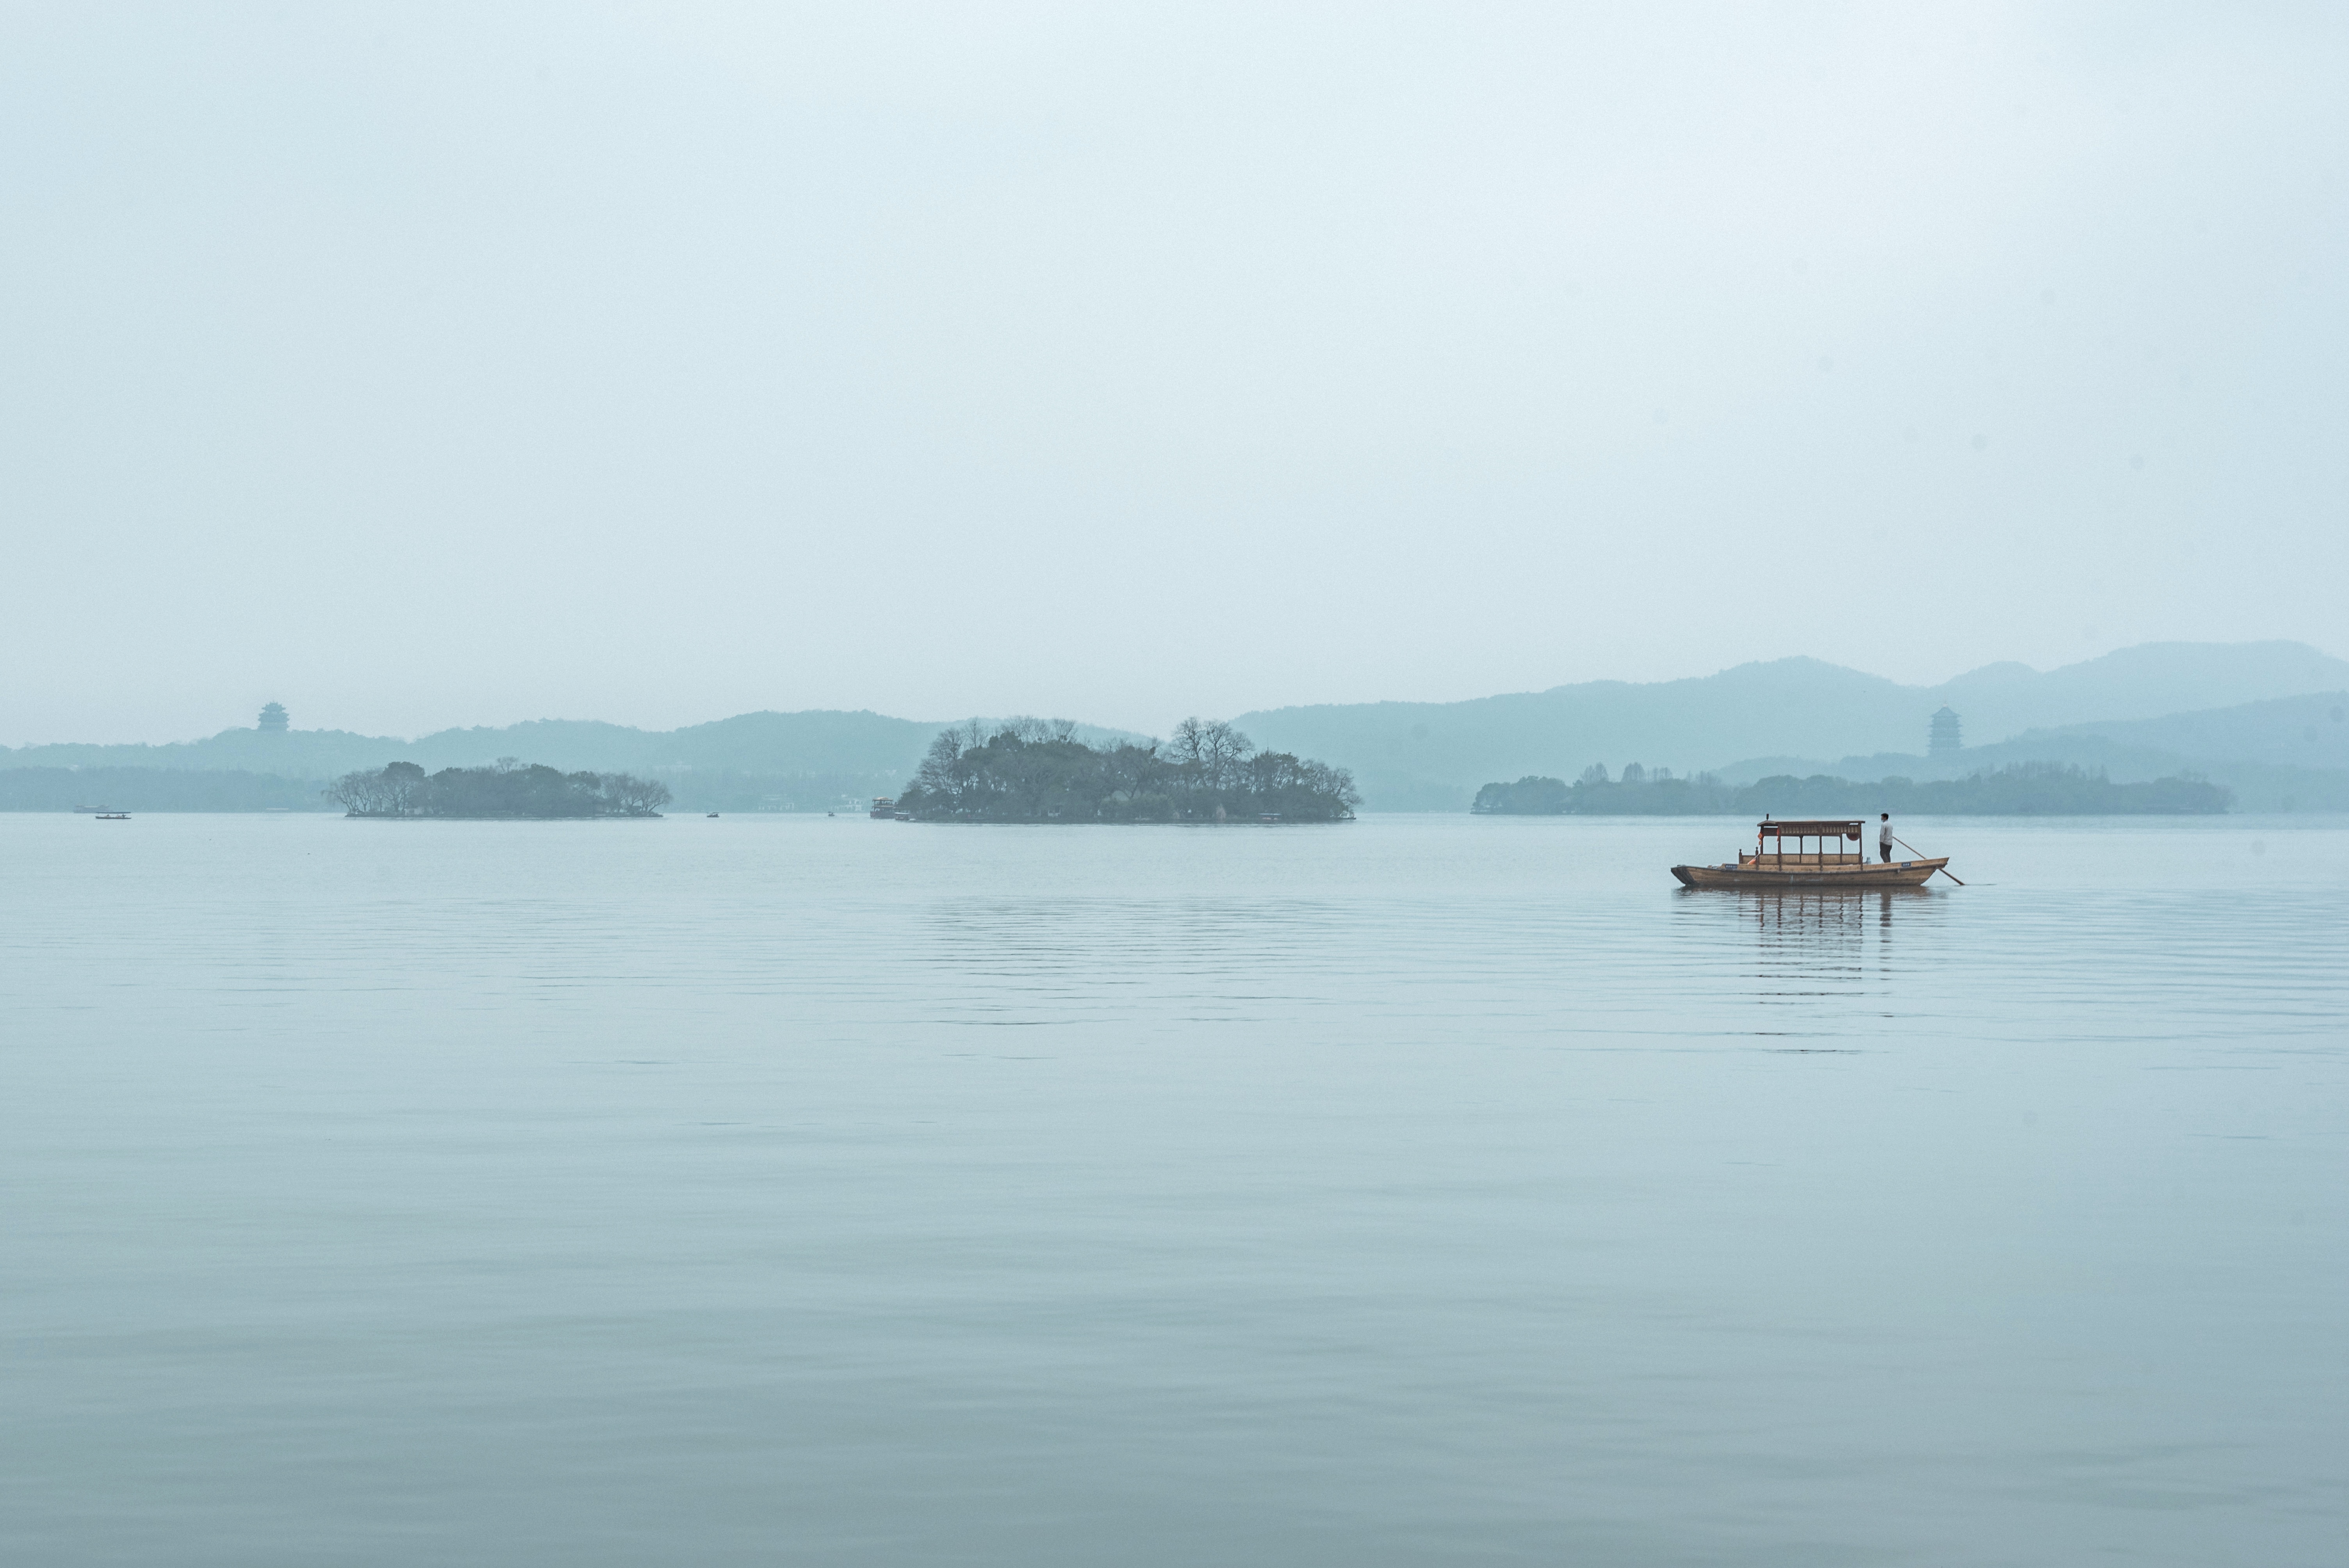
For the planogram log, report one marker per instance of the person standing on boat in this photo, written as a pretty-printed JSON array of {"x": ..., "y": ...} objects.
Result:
[{"x": 1884, "y": 836}]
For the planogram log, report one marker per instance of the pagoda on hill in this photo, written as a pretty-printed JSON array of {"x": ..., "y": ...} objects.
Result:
[
  {"x": 1945, "y": 740},
  {"x": 273, "y": 719}
]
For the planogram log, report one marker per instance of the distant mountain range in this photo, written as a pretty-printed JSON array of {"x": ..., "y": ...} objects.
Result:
[
  {"x": 853, "y": 745},
  {"x": 2290, "y": 754},
  {"x": 753, "y": 760},
  {"x": 1434, "y": 756},
  {"x": 2267, "y": 719}
]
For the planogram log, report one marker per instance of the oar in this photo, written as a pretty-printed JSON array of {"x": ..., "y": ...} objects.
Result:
[{"x": 1943, "y": 870}]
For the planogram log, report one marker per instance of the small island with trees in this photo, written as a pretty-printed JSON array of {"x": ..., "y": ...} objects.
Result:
[
  {"x": 1035, "y": 770},
  {"x": 509, "y": 790}
]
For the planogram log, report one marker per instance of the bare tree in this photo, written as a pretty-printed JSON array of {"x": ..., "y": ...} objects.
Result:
[
  {"x": 1338, "y": 783},
  {"x": 399, "y": 790},
  {"x": 360, "y": 794},
  {"x": 1190, "y": 743},
  {"x": 937, "y": 773},
  {"x": 405, "y": 788},
  {"x": 633, "y": 796},
  {"x": 1223, "y": 750},
  {"x": 1034, "y": 731}
]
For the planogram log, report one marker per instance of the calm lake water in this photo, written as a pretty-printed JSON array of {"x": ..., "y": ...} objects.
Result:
[{"x": 1423, "y": 1191}]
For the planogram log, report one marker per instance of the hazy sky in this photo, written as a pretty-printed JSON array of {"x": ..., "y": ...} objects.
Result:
[{"x": 422, "y": 365}]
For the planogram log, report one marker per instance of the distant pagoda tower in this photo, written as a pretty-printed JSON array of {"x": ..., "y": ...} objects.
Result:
[
  {"x": 273, "y": 719},
  {"x": 1945, "y": 741}
]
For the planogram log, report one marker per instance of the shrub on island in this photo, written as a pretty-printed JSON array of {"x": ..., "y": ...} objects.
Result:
[
  {"x": 508, "y": 790},
  {"x": 1029, "y": 770}
]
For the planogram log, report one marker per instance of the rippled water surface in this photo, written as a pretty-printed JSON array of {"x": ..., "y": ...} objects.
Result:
[{"x": 1427, "y": 1190}]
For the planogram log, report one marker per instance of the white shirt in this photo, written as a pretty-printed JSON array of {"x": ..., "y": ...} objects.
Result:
[{"x": 1884, "y": 835}]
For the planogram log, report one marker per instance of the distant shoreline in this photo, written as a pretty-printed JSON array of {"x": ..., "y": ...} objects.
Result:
[{"x": 2030, "y": 789}]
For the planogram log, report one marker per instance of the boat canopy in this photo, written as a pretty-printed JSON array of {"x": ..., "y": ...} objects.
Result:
[{"x": 1811, "y": 830}]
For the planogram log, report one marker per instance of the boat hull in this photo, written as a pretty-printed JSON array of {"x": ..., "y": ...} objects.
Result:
[{"x": 1893, "y": 874}]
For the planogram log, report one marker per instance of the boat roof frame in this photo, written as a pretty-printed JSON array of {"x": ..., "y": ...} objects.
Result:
[{"x": 1841, "y": 827}]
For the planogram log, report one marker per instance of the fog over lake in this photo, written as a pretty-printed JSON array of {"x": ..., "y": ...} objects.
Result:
[{"x": 1023, "y": 690}]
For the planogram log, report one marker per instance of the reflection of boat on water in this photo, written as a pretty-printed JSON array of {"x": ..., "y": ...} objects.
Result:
[{"x": 1773, "y": 865}]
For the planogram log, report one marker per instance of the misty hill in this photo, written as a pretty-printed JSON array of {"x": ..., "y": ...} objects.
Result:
[
  {"x": 855, "y": 745},
  {"x": 863, "y": 747},
  {"x": 2153, "y": 679},
  {"x": 2258, "y": 717},
  {"x": 1425, "y": 756},
  {"x": 753, "y": 762},
  {"x": 2290, "y": 754},
  {"x": 2309, "y": 731}
]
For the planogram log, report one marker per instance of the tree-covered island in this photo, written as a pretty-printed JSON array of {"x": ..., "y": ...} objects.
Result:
[
  {"x": 1032, "y": 771},
  {"x": 509, "y": 790}
]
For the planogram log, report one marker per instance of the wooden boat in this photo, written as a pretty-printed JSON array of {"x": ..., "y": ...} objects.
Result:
[{"x": 1773, "y": 865}]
